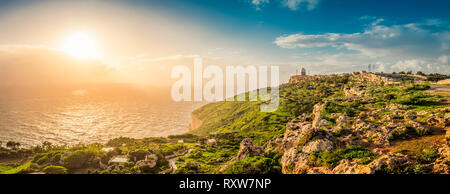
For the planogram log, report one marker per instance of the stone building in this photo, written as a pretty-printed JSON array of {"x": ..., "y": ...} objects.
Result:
[{"x": 303, "y": 73}]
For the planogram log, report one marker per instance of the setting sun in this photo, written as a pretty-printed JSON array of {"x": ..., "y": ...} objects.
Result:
[{"x": 80, "y": 45}]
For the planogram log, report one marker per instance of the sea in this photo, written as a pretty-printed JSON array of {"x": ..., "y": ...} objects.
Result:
[{"x": 83, "y": 113}]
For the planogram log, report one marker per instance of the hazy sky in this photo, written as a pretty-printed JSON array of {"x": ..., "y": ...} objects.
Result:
[{"x": 143, "y": 39}]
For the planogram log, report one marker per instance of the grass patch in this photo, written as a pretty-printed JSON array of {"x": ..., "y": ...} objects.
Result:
[{"x": 331, "y": 158}]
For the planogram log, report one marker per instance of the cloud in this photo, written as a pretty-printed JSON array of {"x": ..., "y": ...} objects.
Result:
[
  {"x": 408, "y": 39},
  {"x": 409, "y": 65},
  {"x": 259, "y": 3},
  {"x": 296, "y": 4},
  {"x": 291, "y": 4},
  {"x": 344, "y": 63},
  {"x": 415, "y": 46}
]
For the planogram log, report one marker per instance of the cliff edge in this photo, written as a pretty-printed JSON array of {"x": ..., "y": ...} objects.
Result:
[{"x": 195, "y": 122}]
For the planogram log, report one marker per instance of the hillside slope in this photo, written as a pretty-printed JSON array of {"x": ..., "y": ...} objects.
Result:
[{"x": 326, "y": 124}]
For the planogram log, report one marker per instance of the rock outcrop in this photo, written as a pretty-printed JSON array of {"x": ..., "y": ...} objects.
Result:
[
  {"x": 294, "y": 162},
  {"x": 247, "y": 149},
  {"x": 195, "y": 122},
  {"x": 318, "y": 135},
  {"x": 319, "y": 145},
  {"x": 348, "y": 167}
]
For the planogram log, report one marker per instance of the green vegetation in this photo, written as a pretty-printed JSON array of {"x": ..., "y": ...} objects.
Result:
[
  {"x": 379, "y": 114},
  {"x": 246, "y": 119},
  {"x": 331, "y": 158},
  {"x": 254, "y": 165},
  {"x": 22, "y": 169},
  {"x": 436, "y": 77},
  {"x": 55, "y": 170}
]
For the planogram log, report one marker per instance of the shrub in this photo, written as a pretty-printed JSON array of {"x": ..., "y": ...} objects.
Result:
[
  {"x": 55, "y": 170},
  {"x": 412, "y": 99},
  {"x": 428, "y": 155},
  {"x": 117, "y": 142},
  {"x": 417, "y": 88},
  {"x": 51, "y": 157},
  {"x": 23, "y": 169},
  {"x": 188, "y": 168},
  {"x": 330, "y": 158},
  {"x": 422, "y": 131},
  {"x": 389, "y": 97},
  {"x": 78, "y": 159},
  {"x": 253, "y": 165}
]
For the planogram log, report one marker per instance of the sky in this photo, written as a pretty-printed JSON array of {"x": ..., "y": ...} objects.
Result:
[{"x": 140, "y": 41}]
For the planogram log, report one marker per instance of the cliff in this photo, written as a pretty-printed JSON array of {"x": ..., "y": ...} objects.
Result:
[
  {"x": 334, "y": 124},
  {"x": 195, "y": 122}
]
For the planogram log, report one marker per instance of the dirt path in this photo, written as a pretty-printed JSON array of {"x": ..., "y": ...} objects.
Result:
[
  {"x": 18, "y": 161},
  {"x": 172, "y": 160}
]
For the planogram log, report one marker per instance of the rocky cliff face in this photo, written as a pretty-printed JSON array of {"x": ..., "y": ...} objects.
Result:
[
  {"x": 315, "y": 144},
  {"x": 195, "y": 122}
]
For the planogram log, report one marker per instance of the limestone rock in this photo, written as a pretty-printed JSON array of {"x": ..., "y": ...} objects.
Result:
[
  {"x": 444, "y": 150},
  {"x": 211, "y": 142},
  {"x": 354, "y": 91},
  {"x": 391, "y": 160},
  {"x": 247, "y": 149},
  {"x": 294, "y": 162},
  {"x": 347, "y": 167},
  {"x": 319, "y": 145},
  {"x": 297, "y": 133},
  {"x": 316, "y": 114},
  {"x": 441, "y": 166},
  {"x": 318, "y": 170}
]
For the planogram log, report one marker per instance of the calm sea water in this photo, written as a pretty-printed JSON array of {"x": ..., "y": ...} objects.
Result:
[{"x": 86, "y": 114}]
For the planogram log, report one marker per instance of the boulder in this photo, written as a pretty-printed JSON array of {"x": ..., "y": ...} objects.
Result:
[
  {"x": 441, "y": 166},
  {"x": 378, "y": 137},
  {"x": 444, "y": 151},
  {"x": 316, "y": 114},
  {"x": 297, "y": 133},
  {"x": 437, "y": 121},
  {"x": 323, "y": 123},
  {"x": 294, "y": 162},
  {"x": 247, "y": 149},
  {"x": 211, "y": 142},
  {"x": 347, "y": 167},
  {"x": 319, "y": 145},
  {"x": 410, "y": 115},
  {"x": 391, "y": 161},
  {"x": 353, "y": 91}
]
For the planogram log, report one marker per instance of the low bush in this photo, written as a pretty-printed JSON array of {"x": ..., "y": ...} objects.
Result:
[
  {"x": 253, "y": 165},
  {"x": 55, "y": 170},
  {"x": 332, "y": 157}
]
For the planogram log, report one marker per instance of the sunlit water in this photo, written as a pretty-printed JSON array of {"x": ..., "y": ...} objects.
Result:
[{"x": 87, "y": 114}]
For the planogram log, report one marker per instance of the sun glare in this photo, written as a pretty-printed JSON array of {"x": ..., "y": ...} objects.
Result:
[{"x": 80, "y": 45}]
